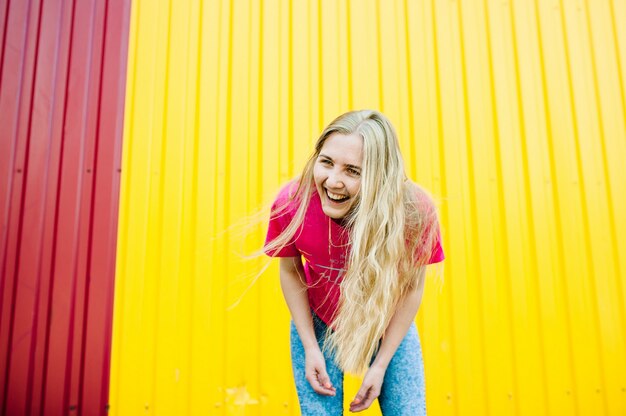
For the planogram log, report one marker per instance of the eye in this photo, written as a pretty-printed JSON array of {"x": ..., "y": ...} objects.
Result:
[
  {"x": 354, "y": 172},
  {"x": 325, "y": 162}
]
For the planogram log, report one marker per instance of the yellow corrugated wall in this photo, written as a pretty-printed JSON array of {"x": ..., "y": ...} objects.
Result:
[{"x": 512, "y": 112}]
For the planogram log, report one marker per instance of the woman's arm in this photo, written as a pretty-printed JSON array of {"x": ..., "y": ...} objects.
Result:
[
  {"x": 395, "y": 333},
  {"x": 295, "y": 292},
  {"x": 400, "y": 323}
]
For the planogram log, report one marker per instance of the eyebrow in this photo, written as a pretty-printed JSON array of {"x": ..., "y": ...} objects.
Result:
[{"x": 331, "y": 159}]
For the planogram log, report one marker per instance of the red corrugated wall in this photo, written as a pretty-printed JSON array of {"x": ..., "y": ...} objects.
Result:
[{"x": 62, "y": 80}]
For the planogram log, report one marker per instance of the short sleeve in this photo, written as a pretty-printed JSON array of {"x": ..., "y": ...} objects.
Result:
[
  {"x": 437, "y": 255},
  {"x": 426, "y": 206},
  {"x": 281, "y": 215}
]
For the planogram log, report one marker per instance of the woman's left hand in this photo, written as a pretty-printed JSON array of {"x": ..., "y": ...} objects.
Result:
[{"x": 370, "y": 389}]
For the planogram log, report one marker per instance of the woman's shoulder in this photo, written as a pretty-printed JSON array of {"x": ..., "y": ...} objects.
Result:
[
  {"x": 286, "y": 200},
  {"x": 419, "y": 197},
  {"x": 287, "y": 191}
]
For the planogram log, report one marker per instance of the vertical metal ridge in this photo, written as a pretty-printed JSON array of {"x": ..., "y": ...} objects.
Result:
[
  {"x": 74, "y": 388},
  {"x": 11, "y": 162},
  {"x": 523, "y": 135},
  {"x": 36, "y": 303},
  {"x": 472, "y": 202},
  {"x": 3, "y": 40},
  {"x": 310, "y": 55},
  {"x": 555, "y": 199},
  {"x": 4, "y": 231},
  {"x": 74, "y": 295},
  {"x": 605, "y": 168},
  {"x": 92, "y": 204},
  {"x": 411, "y": 111},
  {"x": 120, "y": 294},
  {"x": 185, "y": 267},
  {"x": 290, "y": 113},
  {"x": 259, "y": 146},
  {"x": 349, "y": 52},
  {"x": 339, "y": 25},
  {"x": 92, "y": 198},
  {"x": 228, "y": 130},
  {"x": 195, "y": 160},
  {"x": 337, "y": 14},
  {"x": 381, "y": 99},
  {"x": 530, "y": 228},
  {"x": 584, "y": 210},
  {"x": 259, "y": 103},
  {"x": 443, "y": 188},
  {"x": 120, "y": 42},
  {"x": 30, "y": 387},
  {"x": 309, "y": 36},
  {"x": 228, "y": 120},
  {"x": 279, "y": 109},
  {"x": 252, "y": 176},
  {"x": 216, "y": 181},
  {"x": 320, "y": 71},
  {"x": 22, "y": 193},
  {"x": 618, "y": 57},
  {"x": 159, "y": 216}
]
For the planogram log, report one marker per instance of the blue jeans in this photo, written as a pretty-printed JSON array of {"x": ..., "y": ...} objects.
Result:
[{"x": 402, "y": 392}]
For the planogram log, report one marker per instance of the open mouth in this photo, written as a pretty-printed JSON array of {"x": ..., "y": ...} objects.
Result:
[{"x": 336, "y": 197}]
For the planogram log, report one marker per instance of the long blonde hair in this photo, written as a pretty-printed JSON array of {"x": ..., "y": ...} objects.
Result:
[{"x": 392, "y": 233}]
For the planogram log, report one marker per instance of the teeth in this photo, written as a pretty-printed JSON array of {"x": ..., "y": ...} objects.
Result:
[{"x": 336, "y": 196}]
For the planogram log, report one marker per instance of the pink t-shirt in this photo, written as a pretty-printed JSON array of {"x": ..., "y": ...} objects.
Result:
[{"x": 324, "y": 245}]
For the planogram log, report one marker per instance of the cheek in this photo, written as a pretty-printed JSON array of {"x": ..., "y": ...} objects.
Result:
[
  {"x": 355, "y": 187},
  {"x": 316, "y": 175}
]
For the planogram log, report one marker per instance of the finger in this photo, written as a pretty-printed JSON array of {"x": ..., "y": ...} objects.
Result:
[
  {"x": 358, "y": 400},
  {"x": 319, "y": 388},
  {"x": 324, "y": 380},
  {"x": 360, "y": 395},
  {"x": 324, "y": 383},
  {"x": 363, "y": 401},
  {"x": 365, "y": 404}
]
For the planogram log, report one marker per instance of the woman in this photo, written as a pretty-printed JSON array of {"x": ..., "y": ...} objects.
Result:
[{"x": 366, "y": 234}]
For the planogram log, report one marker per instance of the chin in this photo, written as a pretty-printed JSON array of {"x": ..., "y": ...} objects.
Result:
[{"x": 335, "y": 214}]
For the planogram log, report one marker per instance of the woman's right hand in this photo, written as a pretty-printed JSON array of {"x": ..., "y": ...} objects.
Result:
[{"x": 316, "y": 375}]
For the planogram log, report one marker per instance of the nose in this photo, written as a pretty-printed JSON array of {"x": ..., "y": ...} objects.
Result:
[{"x": 334, "y": 180}]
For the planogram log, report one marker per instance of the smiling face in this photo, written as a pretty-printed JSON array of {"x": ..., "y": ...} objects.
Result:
[{"x": 337, "y": 173}]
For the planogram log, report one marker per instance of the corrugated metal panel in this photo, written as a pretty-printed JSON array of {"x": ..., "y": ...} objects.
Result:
[
  {"x": 513, "y": 112},
  {"x": 62, "y": 69}
]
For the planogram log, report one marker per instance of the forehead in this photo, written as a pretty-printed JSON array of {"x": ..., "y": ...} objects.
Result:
[{"x": 344, "y": 149}]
